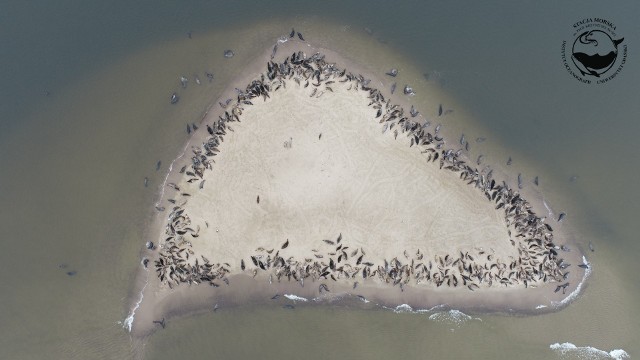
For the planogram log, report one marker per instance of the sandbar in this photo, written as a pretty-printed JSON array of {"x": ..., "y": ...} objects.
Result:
[{"x": 315, "y": 181}]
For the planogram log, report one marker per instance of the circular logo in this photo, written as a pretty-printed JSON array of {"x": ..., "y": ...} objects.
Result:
[{"x": 594, "y": 52}]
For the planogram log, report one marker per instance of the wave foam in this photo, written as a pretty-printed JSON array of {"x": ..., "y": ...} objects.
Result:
[
  {"x": 128, "y": 322},
  {"x": 574, "y": 294},
  {"x": 295, "y": 297},
  {"x": 548, "y": 208},
  {"x": 441, "y": 306},
  {"x": 452, "y": 317},
  {"x": 403, "y": 308},
  {"x": 587, "y": 352},
  {"x": 166, "y": 177}
]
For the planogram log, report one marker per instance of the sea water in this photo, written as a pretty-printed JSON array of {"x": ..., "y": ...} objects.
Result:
[{"x": 86, "y": 117}]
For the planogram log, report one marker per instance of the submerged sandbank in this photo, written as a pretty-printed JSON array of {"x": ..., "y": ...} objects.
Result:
[{"x": 315, "y": 180}]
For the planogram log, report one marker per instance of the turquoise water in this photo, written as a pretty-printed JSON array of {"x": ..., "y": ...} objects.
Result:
[{"x": 73, "y": 164}]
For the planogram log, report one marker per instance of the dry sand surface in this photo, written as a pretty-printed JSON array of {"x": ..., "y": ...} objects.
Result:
[
  {"x": 303, "y": 167},
  {"x": 340, "y": 175}
]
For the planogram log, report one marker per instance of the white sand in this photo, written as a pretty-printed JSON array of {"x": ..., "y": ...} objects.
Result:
[{"x": 378, "y": 192}]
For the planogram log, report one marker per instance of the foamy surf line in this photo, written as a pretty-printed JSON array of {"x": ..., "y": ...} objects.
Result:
[
  {"x": 402, "y": 308},
  {"x": 450, "y": 317},
  {"x": 166, "y": 177},
  {"x": 574, "y": 294},
  {"x": 180, "y": 156},
  {"x": 128, "y": 322},
  {"x": 571, "y": 351},
  {"x": 361, "y": 298},
  {"x": 406, "y": 308},
  {"x": 295, "y": 297}
]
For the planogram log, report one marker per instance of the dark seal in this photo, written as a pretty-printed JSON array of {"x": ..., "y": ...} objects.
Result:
[{"x": 597, "y": 53}]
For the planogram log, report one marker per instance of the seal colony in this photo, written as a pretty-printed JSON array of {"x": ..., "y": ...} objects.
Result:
[
  {"x": 516, "y": 250},
  {"x": 538, "y": 259}
]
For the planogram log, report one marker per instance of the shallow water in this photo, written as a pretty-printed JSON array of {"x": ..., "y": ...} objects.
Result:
[{"x": 74, "y": 163}]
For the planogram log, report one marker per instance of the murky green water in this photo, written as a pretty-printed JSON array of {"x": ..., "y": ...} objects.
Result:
[{"x": 73, "y": 164}]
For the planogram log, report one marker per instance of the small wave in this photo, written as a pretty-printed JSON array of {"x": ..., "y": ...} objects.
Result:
[
  {"x": 437, "y": 307},
  {"x": 570, "y": 351},
  {"x": 328, "y": 298},
  {"x": 128, "y": 322},
  {"x": 574, "y": 294},
  {"x": 452, "y": 317},
  {"x": 541, "y": 306},
  {"x": 166, "y": 177},
  {"x": 403, "y": 308},
  {"x": 295, "y": 297},
  {"x": 548, "y": 208}
]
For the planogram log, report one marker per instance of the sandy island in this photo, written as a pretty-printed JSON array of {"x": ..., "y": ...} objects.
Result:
[{"x": 317, "y": 182}]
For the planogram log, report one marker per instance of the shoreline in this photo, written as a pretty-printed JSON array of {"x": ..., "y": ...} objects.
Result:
[{"x": 181, "y": 301}]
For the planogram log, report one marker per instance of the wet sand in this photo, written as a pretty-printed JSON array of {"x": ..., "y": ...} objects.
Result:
[{"x": 300, "y": 168}]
